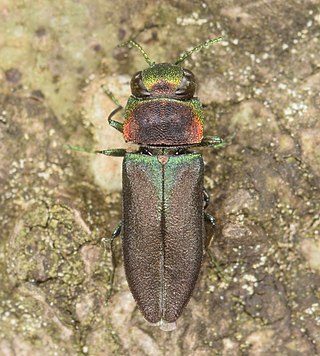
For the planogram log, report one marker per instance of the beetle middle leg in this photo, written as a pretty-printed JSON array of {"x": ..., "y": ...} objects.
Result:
[
  {"x": 209, "y": 218},
  {"x": 116, "y": 232},
  {"x": 115, "y": 152}
]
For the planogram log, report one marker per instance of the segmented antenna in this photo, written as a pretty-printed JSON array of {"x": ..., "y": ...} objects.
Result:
[
  {"x": 198, "y": 48},
  {"x": 136, "y": 44}
]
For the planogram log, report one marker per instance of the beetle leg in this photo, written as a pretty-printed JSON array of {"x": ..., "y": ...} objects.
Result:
[
  {"x": 220, "y": 273},
  {"x": 207, "y": 217},
  {"x": 78, "y": 148},
  {"x": 115, "y": 124},
  {"x": 212, "y": 141},
  {"x": 216, "y": 141},
  {"x": 116, "y": 232},
  {"x": 206, "y": 198},
  {"x": 210, "y": 219},
  {"x": 116, "y": 152},
  {"x": 213, "y": 260}
]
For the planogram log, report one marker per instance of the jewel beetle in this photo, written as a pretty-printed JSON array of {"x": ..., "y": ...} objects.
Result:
[{"x": 164, "y": 200}]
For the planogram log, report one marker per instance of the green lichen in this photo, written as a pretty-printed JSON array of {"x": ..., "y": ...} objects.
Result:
[{"x": 46, "y": 257}]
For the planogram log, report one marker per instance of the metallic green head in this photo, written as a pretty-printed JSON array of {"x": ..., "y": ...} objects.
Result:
[{"x": 164, "y": 80}]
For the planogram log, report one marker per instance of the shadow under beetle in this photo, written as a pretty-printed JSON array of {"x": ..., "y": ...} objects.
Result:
[{"x": 164, "y": 200}]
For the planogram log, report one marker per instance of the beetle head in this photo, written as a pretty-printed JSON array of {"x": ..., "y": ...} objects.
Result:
[{"x": 163, "y": 80}]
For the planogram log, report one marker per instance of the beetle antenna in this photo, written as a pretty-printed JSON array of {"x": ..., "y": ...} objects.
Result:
[
  {"x": 198, "y": 48},
  {"x": 136, "y": 44}
]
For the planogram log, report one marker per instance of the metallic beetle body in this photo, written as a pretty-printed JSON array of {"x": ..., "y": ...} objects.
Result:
[
  {"x": 163, "y": 210},
  {"x": 164, "y": 200}
]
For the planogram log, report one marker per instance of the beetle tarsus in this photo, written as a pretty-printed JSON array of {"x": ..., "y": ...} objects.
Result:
[
  {"x": 113, "y": 123},
  {"x": 206, "y": 198},
  {"x": 217, "y": 142},
  {"x": 78, "y": 148},
  {"x": 221, "y": 275},
  {"x": 210, "y": 219},
  {"x": 116, "y": 152},
  {"x": 116, "y": 232},
  {"x": 211, "y": 141}
]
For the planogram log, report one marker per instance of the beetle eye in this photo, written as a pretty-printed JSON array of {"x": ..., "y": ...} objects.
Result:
[
  {"x": 137, "y": 87},
  {"x": 187, "y": 87}
]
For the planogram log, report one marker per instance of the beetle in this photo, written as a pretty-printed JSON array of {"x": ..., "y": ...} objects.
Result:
[{"x": 164, "y": 201}]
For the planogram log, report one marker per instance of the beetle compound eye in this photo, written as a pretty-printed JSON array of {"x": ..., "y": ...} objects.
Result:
[
  {"x": 137, "y": 87},
  {"x": 187, "y": 87}
]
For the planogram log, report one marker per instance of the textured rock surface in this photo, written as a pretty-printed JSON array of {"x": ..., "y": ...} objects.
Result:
[{"x": 261, "y": 84}]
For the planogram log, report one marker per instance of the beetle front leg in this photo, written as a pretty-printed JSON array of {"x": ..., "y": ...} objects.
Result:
[
  {"x": 115, "y": 152},
  {"x": 212, "y": 141},
  {"x": 216, "y": 141},
  {"x": 115, "y": 124}
]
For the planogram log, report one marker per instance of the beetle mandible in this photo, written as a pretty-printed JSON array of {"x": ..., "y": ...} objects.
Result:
[{"x": 164, "y": 200}]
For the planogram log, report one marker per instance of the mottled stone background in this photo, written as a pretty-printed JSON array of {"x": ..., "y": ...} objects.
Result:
[{"x": 261, "y": 84}]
